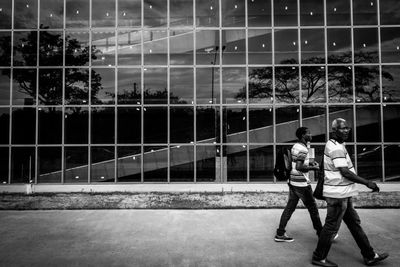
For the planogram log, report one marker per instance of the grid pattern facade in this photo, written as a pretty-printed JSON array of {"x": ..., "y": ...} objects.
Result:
[{"x": 96, "y": 91}]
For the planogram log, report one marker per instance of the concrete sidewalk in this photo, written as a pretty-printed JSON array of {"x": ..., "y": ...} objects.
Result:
[{"x": 181, "y": 238}]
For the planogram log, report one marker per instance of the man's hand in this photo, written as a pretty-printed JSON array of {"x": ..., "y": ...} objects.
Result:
[
  {"x": 373, "y": 186},
  {"x": 314, "y": 166}
]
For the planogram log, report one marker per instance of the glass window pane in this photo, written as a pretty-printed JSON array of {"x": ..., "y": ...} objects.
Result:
[
  {"x": 5, "y": 86},
  {"x": 4, "y": 125},
  {"x": 392, "y": 166},
  {"x": 102, "y": 120},
  {"x": 51, "y": 14},
  {"x": 285, "y": 13},
  {"x": 312, "y": 46},
  {"x": 260, "y": 46},
  {"x": 129, "y": 13},
  {"x": 155, "y": 86},
  {"x": 313, "y": 84},
  {"x": 181, "y": 13},
  {"x": 369, "y": 162},
  {"x": 390, "y": 44},
  {"x": 77, "y": 86},
  {"x": 129, "y": 47},
  {"x": 261, "y": 125},
  {"x": 129, "y": 125},
  {"x": 365, "y": 12},
  {"x": 260, "y": 85},
  {"x": 51, "y": 48},
  {"x": 181, "y": 86},
  {"x": 207, "y": 47},
  {"x": 391, "y": 83},
  {"x": 344, "y": 112},
  {"x": 207, "y": 13},
  {"x": 207, "y": 124},
  {"x": 366, "y": 45},
  {"x": 207, "y": 85},
  {"x": 76, "y": 165},
  {"x": 155, "y": 125},
  {"x": 286, "y": 47},
  {"x": 129, "y": 163},
  {"x": 390, "y": 12},
  {"x": 77, "y": 13},
  {"x": 338, "y": 13},
  {"x": 155, "y": 164},
  {"x": 233, "y": 13},
  {"x": 6, "y": 13},
  {"x": 235, "y": 124},
  {"x": 233, "y": 47},
  {"x": 155, "y": 13},
  {"x": 49, "y": 165},
  {"x": 368, "y": 123},
  {"x": 5, "y": 48},
  {"x": 103, "y": 164},
  {"x": 50, "y": 86},
  {"x": 314, "y": 118},
  {"x": 76, "y": 118},
  {"x": 339, "y": 45},
  {"x": 261, "y": 163},
  {"x": 103, "y": 13},
  {"x": 234, "y": 85},
  {"x": 367, "y": 83},
  {"x": 4, "y": 158},
  {"x": 340, "y": 84},
  {"x": 312, "y": 12},
  {"x": 155, "y": 47},
  {"x": 236, "y": 163},
  {"x": 25, "y": 45},
  {"x": 391, "y": 120},
  {"x": 49, "y": 126},
  {"x": 205, "y": 163},
  {"x": 181, "y": 47},
  {"x": 25, "y": 14},
  {"x": 259, "y": 13},
  {"x": 22, "y": 164},
  {"x": 77, "y": 48},
  {"x": 181, "y": 163},
  {"x": 103, "y": 86},
  {"x": 287, "y": 84},
  {"x": 103, "y": 48},
  {"x": 24, "y": 87},
  {"x": 287, "y": 122},
  {"x": 129, "y": 86}
]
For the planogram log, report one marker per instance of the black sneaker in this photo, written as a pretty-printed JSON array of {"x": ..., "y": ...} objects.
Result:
[
  {"x": 283, "y": 238},
  {"x": 378, "y": 257},
  {"x": 324, "y": 263}
]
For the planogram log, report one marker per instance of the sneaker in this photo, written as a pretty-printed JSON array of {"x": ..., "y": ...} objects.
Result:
[
  {"x": 324, "y": 263},
  {"x": 283, "y": 238},
  {"x": 378, "y": 257}
]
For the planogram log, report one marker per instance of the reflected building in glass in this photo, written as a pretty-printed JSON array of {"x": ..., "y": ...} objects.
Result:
[{"x": 193, "y": 91}]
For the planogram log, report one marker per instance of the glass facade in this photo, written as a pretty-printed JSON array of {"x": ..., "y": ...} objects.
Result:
[{"x": 118, "y": 91}]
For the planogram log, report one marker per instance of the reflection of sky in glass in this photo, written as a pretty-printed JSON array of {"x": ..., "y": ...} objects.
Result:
[
  {"x": 259, "y": 13},
  {"x": 207, "y": 13},
  {"x": 365, "y": 12},
  {"x": 104, "y": 44},
  {"x": 77, "y": 13},
  {"x": 338, "y": 12},
  {"x": 286, "y": 46},
  {"x": 233, "y": 13},
  {"x": 106, "y": 94},
  {"x": 391, "y": 87},
  {"x": 5, "y": 17},
  {"x": 51, "y": 13},
  {"x": 181, "y": 85},
  {"x": 4, "y": 88},
  {"x": 207, "y": 85},
  {"x": 129, "y": 12},
  {"x": 285, "y": 13},
  {"x": 155, "y": 13},
  {"x": 312, "y": 13},
  {"x": 312, "y": 46},
  {"x": 259, "y": 46},
  {"x": 25, "y": 14},
  {"x": 233, "y": 82},
  {"x": 181, "y": 13},
  {"x": 181, "y": 47},
  {"x": 390, "y": 44},
  {"x": 390, "y": 12},
  {"x": 103, "y": 13}
]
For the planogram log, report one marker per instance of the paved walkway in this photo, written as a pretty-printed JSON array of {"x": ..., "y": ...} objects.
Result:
[{"x": 180, "y": 238}]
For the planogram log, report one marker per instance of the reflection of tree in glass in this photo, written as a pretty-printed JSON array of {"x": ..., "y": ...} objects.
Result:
[
  {"x": 154, "y": 95},
  {"x": 51, "y": 54},
  {"x": 367, "y": 82}
]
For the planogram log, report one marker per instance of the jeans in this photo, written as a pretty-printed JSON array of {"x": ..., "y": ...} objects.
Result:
[
  {"x": 339, "y": 209},
  {"x": 305, "y": 194}
]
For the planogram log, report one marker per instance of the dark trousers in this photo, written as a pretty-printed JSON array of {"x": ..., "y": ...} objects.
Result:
[
  {"x": 305, "y": 194},
  {"x": 339, "y": 209}
]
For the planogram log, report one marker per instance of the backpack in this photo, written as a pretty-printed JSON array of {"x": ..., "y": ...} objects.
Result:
[{"x": 283, "y": 164}]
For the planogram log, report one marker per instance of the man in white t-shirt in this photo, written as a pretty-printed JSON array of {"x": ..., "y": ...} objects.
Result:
[
  {"x": 299, "y": 186},
  {"x": 339, "y": 188}
]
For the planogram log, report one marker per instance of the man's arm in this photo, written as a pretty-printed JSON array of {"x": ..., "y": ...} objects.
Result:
[
  {"x": 300, "y": 166},
  {"x": 357, "y": 179}
]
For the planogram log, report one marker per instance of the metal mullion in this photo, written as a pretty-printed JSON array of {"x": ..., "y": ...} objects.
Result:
[
  {"x": 63, "y": 100},
  {"x": 299, "y": 64},
  {"x": 247, "y": 92},
  {"x": 11, "y": 93},
  {"x": 116, "y": 93},
  {"x": 327, "y": 129},
  {"x": 168, "y": 96},
  {"x": 273, "y": 85},
  {"x": 194, "y": 94},
  {"x": 89, "y": 147},
  {"x": 37, "y": 97},
  {"x": 141, "y": 93}
]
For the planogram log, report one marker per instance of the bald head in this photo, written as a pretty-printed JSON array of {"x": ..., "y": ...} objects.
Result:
[{"x": 336, "y": 123}]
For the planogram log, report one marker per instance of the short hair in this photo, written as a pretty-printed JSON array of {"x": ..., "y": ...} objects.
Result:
[
  {"x": 336, "y": 122},
  {"x": 300, "y": 131}
]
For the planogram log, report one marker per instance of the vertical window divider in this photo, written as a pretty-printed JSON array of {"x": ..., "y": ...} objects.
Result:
[
  {"x": 353, "y": 86},
  {"x": 247, "y": 91},
  {"x": 63, "y": 98},
  {"x": 116, "y": 93},
  {"x": 37, "y": 96},
  {"x": 141, "y": 92},
  {"x": 168, "y": 98},
  {"x": 273, "y": 85},
  {"x": 90, "y": 97},
  {"x": 382, "y": 144}
]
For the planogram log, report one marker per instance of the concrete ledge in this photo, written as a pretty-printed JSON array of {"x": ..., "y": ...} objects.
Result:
[
  {"x": 176, "y": 187},
  {"x": 179, "y": 200}
]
